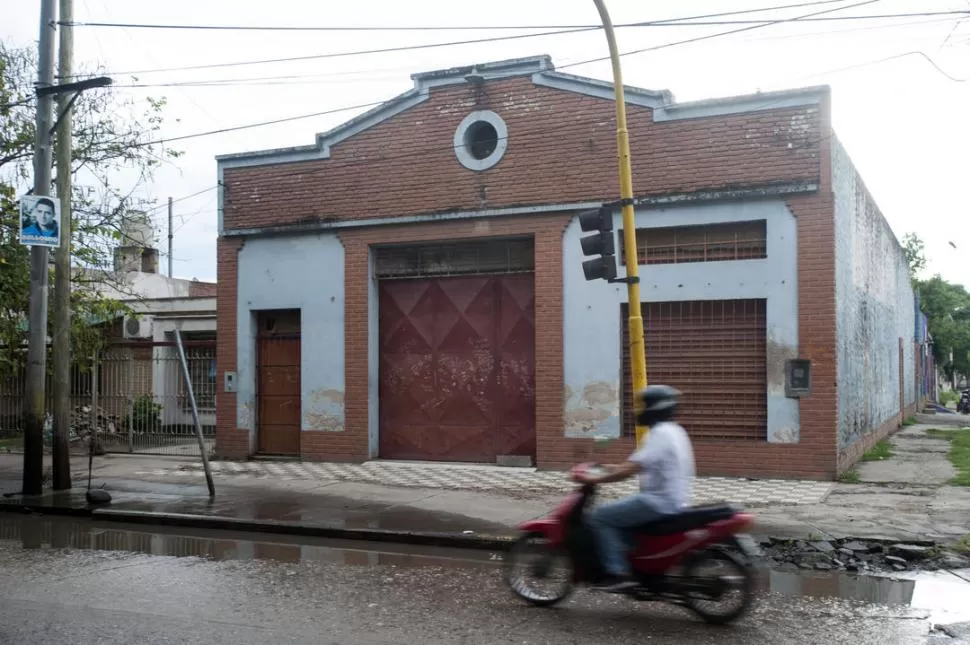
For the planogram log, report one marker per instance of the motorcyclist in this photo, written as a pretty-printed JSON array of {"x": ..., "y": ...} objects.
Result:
[{"x": 664, "y": 464}]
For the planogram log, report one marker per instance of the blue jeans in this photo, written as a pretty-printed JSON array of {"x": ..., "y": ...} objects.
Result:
[{"x": 610, "y": 522}]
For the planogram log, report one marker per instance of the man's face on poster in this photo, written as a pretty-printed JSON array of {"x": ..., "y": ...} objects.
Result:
[{"x": 44, "y": 215}]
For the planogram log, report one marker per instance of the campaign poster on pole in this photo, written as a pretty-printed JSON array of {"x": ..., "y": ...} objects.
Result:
[{"x": 40, "y": 221}]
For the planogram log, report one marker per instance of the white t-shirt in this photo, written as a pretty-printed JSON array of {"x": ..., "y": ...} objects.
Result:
[{"x": 668, "y": 467}]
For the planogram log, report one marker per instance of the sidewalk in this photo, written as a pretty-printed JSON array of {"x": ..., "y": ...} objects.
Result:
[{"x": 904, "y": 498}]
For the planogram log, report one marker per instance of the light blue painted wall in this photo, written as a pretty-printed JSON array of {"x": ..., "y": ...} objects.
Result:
[
  {"x": 299, "y": 272},
  {"x": 592, "y": 326},
  {"x": 875, "y": 307}
]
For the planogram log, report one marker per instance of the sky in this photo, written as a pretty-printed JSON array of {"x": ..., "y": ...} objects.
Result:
[{"x": 900, "y": 86}]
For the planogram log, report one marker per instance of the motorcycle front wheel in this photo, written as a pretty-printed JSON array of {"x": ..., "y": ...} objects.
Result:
[
  {"x": 530, "y": 563},
  {"x": 718, "y": 598}
]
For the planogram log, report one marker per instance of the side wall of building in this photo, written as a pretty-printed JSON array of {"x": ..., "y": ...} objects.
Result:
[{"x": 876, "y": 316}]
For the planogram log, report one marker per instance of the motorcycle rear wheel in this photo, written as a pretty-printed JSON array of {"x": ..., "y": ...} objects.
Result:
[
  {"x": 517, "y": 569},
  {"x": 739, "y": 577}
]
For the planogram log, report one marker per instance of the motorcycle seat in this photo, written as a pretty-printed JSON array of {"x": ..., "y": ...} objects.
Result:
[{"x": 686, "y": 520}]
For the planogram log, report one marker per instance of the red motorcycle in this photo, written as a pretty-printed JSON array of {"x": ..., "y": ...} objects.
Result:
[{"x": 667, "y": 557}]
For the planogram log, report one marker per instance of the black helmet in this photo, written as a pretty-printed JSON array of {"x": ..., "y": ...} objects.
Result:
[{"x": 657, "y": 403}]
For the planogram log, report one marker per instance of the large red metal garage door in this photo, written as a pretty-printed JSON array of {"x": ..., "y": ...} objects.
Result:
[
  {"x": 714, "y": 351},
  {"x": 457, "y": 367}
]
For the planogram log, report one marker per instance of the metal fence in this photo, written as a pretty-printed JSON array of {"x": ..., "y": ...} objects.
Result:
[{"x": 133, "y": 395}]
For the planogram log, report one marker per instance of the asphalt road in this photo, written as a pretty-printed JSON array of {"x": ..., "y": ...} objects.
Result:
[{"x": 324, "y": 596}]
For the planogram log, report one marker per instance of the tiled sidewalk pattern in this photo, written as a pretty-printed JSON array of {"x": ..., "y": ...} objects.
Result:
[{"x": 500, "y": 480}]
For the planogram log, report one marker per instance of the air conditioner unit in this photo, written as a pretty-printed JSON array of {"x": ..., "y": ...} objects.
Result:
[{"x": 138, "y": 327}]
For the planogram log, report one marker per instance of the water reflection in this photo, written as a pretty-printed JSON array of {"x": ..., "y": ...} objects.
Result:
[
  {"x": 944, "y": 595},
  {"x": 33, "y": 532}
]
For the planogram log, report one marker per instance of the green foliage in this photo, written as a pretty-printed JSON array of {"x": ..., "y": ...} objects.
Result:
[
  {"x": 850, "y": 477},
  {"x": 948, "y": 396},
  {"x": 947, "y": 308},
  {"x": 915, "y": 251},
  {"x": 146, "y": 415},
  {"x": 115, "y": 153},
  {"x": 879, "y": 452},
  {"x": 959, "y": 453}
]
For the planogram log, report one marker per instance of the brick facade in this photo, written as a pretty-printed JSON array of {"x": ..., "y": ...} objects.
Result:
[
  {"x": 561, "y": 150},
  {"x": 231, "y": 442}
]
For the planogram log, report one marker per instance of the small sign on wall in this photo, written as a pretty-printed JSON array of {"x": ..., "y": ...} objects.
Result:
[{"x": 798, "y": 378}]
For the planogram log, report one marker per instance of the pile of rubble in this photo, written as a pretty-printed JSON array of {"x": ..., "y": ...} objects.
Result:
[
  {"x": 83, "y": 421},
  {"x": 862, "y": 556}
]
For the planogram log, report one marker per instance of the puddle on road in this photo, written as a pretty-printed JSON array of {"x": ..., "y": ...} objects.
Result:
[
  {"x": 63, "y": 533},
  {"x": 943, "y": 595}
]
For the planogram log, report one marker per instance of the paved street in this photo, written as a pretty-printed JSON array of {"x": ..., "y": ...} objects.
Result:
[{"x": 241, "y": 593}]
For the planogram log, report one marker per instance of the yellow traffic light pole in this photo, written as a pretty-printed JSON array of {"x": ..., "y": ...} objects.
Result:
[{"x": 638, "y": 358}]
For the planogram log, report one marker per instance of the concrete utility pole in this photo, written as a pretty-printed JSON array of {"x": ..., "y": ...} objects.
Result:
[
  {"x": 170, "y": 237},
  {"x": 61, "y": 349},
  {"x": 33, "y": 476}
]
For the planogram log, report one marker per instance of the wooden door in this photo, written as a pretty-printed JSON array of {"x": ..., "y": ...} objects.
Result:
[{"x": 278, "y": 383}]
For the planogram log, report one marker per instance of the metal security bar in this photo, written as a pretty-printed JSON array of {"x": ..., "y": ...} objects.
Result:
[
  {"x": 703, "y": 243},
  {"x": 132, "y": 396},
  {"x": 714, "y": 351},
  {"x": 476, "y": 257}
]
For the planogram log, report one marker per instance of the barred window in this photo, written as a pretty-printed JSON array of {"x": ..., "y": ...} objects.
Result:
[{"x": 702, "y": 243}]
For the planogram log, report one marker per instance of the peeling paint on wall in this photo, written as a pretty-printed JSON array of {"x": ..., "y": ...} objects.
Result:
[
  {"x": 592, "y": 410},
  {"x": 323, "y": 410}
]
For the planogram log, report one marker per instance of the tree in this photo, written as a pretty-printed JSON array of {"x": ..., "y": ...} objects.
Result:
[
  {"x": 915, "y": 252},
  {"x": 114, "y": 155},
  {"x": 947, "y": 309}
]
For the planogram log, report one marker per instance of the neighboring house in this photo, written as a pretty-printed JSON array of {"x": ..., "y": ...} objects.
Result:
[
  {"x": 410, "y": 285},
  {"x": 140, "y": 361}
]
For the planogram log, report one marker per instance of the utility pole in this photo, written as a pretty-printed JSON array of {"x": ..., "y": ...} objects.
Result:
[
  {"x": 61, "y": 349},
  {"x": 33, "y": 476},
  {"x": 170, "y": 237}
]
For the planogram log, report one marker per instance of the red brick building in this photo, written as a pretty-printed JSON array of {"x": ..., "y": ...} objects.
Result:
[{"x": 410, "y": 285}]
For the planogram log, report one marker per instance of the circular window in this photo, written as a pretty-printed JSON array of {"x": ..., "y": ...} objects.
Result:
[{"x": 481, "y": 140}]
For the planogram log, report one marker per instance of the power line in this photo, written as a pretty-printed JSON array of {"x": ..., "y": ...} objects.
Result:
[
  {"x": 491, "y": 39},
  {"x": 671, "y": 22},
  {"x": 367, "y": 105},
  {"x": 259, "y": 124},
  {"x": 722, "y": 33},
  {"x": 885, "y": 59},
  {"x": 362, "y": 75}
]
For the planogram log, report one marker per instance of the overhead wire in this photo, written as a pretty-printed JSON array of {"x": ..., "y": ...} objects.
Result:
[
  {"x": 719, "y": 34},
  {"x": 671, "y": 22},
  {"x": 364, "y": 76},
  {"x": 491, "y": 39},
  {"x": 335, "y": 110}
]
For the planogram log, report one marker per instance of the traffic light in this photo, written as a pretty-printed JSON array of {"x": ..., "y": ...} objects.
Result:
[{"x": 600, "y": 243}]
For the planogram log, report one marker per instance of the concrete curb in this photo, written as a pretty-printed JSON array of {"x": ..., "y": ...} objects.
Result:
[
  {"x": 277, "y": 527},
  {"x": 215, "y": 522}
]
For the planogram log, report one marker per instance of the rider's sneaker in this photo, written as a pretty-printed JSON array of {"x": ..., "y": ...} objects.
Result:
[{"x": 616, "y": 584}]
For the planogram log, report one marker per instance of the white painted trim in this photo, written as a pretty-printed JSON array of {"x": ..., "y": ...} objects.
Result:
[
  {"x": 490, "y": 71},
  {"x": 601, "y": 89},
  {"x": 671, "y": 199},
  {"x": 801, "y": 97},
  {"x": 417, "y": 219},
  {"x": 461, "y": 151}
]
